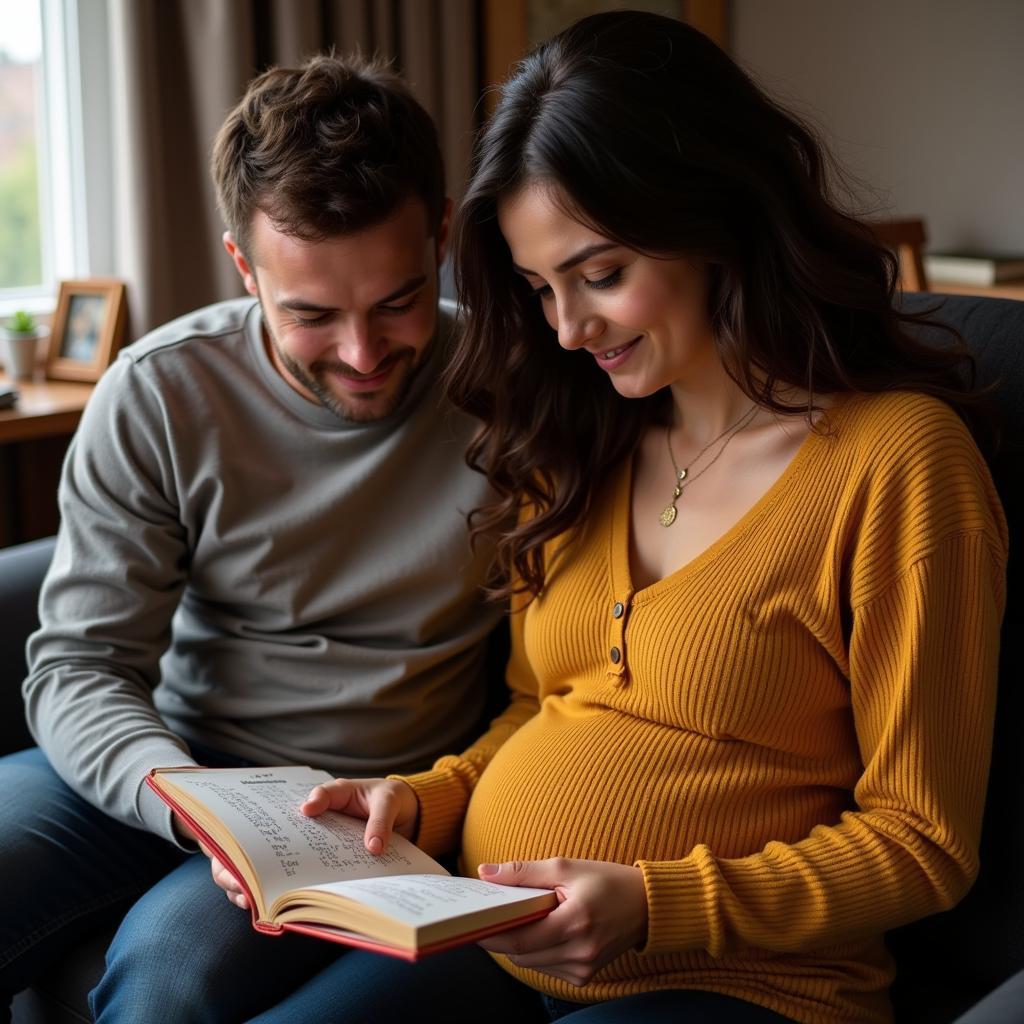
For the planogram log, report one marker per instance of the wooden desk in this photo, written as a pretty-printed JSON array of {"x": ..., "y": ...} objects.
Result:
[
  {"x": 34, "y": 436},
  {"x": 1004, "y": 290},
  {"x": 46, "y": 408}
]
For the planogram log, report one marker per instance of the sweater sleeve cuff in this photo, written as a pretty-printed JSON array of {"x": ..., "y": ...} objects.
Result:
[
  {"x": 443, "y": 800},
  {"x": 154, "y": 815},
  {"x": 676, "y": 914}
]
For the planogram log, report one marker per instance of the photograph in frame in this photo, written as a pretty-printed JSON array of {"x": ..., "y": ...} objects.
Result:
[{"x": 88, "y": 329}]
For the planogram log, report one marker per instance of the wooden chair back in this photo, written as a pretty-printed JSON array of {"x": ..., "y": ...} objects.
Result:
[{"x": 906, "y": 238}]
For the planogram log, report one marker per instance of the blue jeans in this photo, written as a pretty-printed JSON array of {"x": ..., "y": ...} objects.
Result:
[
  {"x": 67, "y": 869},
  {"x": 465, "y": 986}
]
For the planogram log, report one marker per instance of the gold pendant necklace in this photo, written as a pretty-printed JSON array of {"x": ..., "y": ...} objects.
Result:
[{"x": 683, "y": 478}]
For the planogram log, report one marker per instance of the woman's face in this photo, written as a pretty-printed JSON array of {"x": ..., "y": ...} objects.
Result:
[{"x": 644, "y": 320}]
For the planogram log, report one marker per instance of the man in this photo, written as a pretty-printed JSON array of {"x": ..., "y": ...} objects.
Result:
[{"x": 263, "y": 556}]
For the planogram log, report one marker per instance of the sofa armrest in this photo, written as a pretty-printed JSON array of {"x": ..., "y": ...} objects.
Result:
[{"x": 22, "y": 569}]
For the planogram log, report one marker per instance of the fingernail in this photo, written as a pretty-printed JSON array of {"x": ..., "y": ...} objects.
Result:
[
  {"x": 375, "y": 845},
  {"x": 488, "y": 869}
]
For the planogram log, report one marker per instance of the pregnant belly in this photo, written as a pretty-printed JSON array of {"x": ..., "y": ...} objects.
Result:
[
  {"x": 592, "y": 785},
  {"x": 601, "y": 785}
]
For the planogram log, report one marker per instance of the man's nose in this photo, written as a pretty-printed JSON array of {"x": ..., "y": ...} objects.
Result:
[{"x": 357, "y": 345}]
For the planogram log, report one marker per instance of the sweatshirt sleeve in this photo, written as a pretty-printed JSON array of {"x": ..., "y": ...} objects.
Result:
[
  {"x": 927, "y": 591},
  {"x": 444, "y": 791},
  {"x": 923, "y": 660},
  {"x": 106, "y": 606}
]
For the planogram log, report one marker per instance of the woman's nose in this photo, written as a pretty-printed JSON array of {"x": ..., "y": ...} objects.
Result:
[{"x": 576, "y": 327}]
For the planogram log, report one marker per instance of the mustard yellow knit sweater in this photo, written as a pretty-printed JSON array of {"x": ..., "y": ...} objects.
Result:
[{"x": 793, "y": 741}]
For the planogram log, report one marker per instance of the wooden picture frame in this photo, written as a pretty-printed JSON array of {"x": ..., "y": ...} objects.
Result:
[{"x": 88, "y": 328}]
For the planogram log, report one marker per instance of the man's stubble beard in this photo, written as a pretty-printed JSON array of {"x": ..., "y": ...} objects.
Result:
[{"x": 355, "y": 410}]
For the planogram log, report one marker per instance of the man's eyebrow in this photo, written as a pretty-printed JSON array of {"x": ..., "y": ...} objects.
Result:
[
  {"x": 579, "y": 257},
  {"x": 303, "y": 306},
  {"x": 300, "y": 305},
  {"x": 399, "y": 293}
]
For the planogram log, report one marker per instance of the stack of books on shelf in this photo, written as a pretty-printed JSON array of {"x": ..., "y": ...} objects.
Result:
[{"x": 973, "y": 267}]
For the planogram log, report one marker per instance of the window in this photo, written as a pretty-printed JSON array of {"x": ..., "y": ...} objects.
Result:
[
  {"x": 54, "y": 145},
  {"x": 21, "y": 109}
]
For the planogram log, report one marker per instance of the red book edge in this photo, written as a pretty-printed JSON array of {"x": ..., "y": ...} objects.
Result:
[
  {"x": 344, "y": 938},
  {"x": 215, "y": 848},
  {"x": 402, "y": 953}
]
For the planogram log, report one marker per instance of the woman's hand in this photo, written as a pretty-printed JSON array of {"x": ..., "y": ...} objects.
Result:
[
  {"x": 601, "y": 912},
  {"x": 388, "y": 805}
]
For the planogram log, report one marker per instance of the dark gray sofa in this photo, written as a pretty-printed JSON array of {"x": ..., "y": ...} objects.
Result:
[
  {"x": 59, "y": 998},
  {"x": 946, "y": 963}
]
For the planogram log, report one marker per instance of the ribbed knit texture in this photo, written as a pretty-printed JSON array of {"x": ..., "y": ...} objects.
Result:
[{"x": 794, "y": 743}]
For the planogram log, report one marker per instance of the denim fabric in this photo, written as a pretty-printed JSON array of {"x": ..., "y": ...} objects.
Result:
[
  {"x": 466, "y": 986},
  {"x": 457, "y": 987},
  {"x": 185, "y": 953},
  {"x": 672, "y": 1006},
  {"x": 66, "y": 869}
]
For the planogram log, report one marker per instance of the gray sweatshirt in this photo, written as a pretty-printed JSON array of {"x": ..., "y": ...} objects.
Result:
[{"x": 239, "y": 567}]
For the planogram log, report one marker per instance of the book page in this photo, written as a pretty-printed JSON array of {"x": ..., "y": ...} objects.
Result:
[
  {"x": 260, "y": 807},
  {"x": 425, "y": 899}
]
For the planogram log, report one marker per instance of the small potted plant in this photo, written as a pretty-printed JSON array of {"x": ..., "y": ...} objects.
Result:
[{"x": 22, "y": 334}]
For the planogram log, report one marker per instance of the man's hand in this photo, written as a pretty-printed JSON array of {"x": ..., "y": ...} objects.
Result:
[
  {"x": 221, "y": 875},
  {"x": 602, "y": 912},
  {"x": 388, "y": 805}
]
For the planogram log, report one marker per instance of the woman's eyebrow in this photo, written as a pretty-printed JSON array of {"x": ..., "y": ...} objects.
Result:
[{"x": 579, "y": 257}]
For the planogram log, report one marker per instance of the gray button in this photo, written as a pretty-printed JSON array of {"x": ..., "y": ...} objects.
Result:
[
  {"x": 616, "y": 655},
  {"x": 618, "y": 610}
]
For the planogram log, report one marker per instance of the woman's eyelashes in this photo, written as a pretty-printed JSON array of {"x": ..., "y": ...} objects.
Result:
[{"x": 609, "y": 280}]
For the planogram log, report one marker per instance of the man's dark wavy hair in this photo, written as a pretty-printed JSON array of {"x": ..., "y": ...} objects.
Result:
[
  {"x": 326, "y": 149},
  {"x": 656, "y": 139}
]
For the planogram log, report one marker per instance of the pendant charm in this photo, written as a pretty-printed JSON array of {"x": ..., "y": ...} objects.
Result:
[{"x": 668, "y": 515}]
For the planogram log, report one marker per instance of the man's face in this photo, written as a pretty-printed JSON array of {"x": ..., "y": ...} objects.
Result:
[{"x": 349, "y": 319}]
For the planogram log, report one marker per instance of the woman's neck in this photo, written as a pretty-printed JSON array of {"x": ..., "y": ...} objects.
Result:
[{"x": 703, "y": 411}]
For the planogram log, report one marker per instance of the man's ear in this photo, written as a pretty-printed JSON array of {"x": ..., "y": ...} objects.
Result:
[
  {"x": 245, "y": 271},
  {"x": 442, "y": 231}
]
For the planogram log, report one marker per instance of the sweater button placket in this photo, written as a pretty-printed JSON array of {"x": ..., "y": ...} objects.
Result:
[{"x": 616, "y": 651}]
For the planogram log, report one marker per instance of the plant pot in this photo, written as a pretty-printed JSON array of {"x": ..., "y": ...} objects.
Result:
[{"x": 21, "y": 352}]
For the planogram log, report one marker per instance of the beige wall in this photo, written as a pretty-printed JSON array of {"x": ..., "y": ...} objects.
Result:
[
  {"x": 924, "y": 99},
  {"x": 544, "y": 18}
]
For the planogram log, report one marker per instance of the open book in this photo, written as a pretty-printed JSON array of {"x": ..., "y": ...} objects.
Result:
[{"x": 314, "y": 875}]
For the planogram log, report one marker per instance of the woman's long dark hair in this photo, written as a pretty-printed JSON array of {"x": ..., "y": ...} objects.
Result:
[{"x": 661, "y": 143}]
